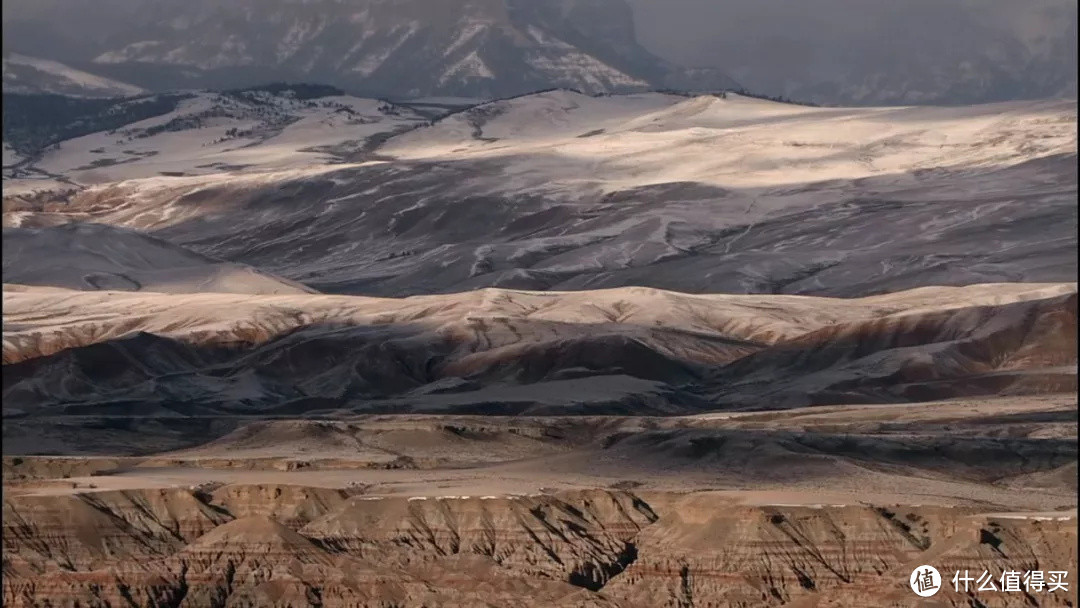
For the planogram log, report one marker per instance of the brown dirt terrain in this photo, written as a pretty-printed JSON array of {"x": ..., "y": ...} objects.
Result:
[{"x": 819, "y": 506}]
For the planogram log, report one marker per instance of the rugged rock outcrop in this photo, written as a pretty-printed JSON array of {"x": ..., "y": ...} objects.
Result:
[
  {"x": 595, "y": 548},
  {"x": 583, "y": 538},
  {"x": 834, "y": 555}
]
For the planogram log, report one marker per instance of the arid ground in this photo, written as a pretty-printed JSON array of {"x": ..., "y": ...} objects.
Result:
[{"x": 820, "y": 506}]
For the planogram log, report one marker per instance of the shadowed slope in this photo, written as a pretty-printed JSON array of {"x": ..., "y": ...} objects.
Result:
[
  {"x": 1016, "y": 348},
  {"x": 494, "y": 351},
  {"x": 98, "y": 257}
]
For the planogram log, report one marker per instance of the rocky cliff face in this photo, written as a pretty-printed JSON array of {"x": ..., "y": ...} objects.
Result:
[
  {"x": 592, "y": 548},
  {"x": 829, "y": 556}
]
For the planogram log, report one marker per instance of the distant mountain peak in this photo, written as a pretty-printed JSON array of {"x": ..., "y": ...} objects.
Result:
[{"x": 475, "y": 48}]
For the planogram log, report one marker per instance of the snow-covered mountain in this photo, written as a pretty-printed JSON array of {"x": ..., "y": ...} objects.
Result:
[{"x": 478, "y": 48}]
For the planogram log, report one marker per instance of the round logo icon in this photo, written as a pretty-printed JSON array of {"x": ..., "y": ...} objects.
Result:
[{"x": 925, "y": 581}]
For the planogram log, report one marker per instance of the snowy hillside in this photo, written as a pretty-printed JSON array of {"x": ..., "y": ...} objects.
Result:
[
  {"x": 620, "y": 142},
  {"x": 24, "y": 74},
  {"x": 560, "y": 190},
  {"x": 210, "y": 133},
  {"x": 94, "y": 257}
]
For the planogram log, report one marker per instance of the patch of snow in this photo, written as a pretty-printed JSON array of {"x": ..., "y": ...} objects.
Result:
[
  {"x": 574, "y": 66},
  {"x": 374, "y": 61},
  {"x": 470, "y": 67},
  {"x": 465, "y": 34},
  {"x": 133, "y": 52},
  {"x": 298, "y": 34}
]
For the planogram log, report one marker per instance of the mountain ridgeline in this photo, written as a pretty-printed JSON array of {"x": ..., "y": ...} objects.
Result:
[{"x": 474, "y": 48}]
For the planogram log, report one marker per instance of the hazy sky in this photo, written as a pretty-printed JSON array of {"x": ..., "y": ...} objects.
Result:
[
  {"x": 769, "y": 43},
  {"x": 690, "y": 31}
]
